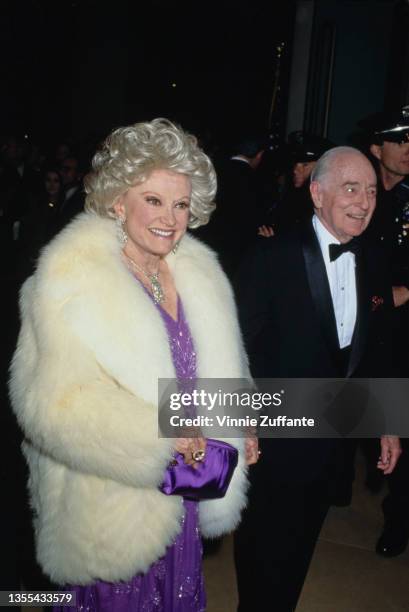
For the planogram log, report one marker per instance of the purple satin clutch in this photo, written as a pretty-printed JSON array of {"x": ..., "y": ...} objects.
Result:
[{"x": 209, "y": 480}]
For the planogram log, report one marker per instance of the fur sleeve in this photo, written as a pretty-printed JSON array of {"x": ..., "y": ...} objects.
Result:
[
  {"x": 221, "y": 516},
  {"x": 71, "y": 410}
]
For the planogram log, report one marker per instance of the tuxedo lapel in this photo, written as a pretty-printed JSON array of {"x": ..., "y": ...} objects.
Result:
[
  {"x": 320, "y": 289},
  {"x": 362, "y": 315}
]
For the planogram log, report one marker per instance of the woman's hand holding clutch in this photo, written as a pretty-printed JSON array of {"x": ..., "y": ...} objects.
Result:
[
  {"x": 193, "y": 449},
  {"x": 252, "y": 451}
]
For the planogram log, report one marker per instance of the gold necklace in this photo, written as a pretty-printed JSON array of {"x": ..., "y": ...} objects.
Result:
[{"x": 156, "y": 288}]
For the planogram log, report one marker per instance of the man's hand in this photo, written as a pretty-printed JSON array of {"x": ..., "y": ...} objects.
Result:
[
  {"x": 400, "y": 295},
  {"x": 266, "y": 231},
  {"x": 390, "y": 453},
  {"x": 252, "y": 452}
]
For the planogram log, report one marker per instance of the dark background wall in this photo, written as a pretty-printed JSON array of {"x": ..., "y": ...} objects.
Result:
[
  {"x": 358, "y": 63},
  {"x": 361, "y": 61},
  {"x": 81, "y": 67},
  {"x": 85, "y": 66}
]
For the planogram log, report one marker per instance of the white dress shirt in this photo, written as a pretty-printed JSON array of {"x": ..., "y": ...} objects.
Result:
[
  {"x": 70, "y": 192},
  {"x": 342, "y": 283}
]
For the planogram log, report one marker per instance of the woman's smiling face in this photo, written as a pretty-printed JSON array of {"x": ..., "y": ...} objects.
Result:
[{"x": 156, "y": 211}]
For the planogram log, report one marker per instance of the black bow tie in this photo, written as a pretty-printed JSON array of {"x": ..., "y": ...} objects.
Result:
[{"x": 335, "y": 250}]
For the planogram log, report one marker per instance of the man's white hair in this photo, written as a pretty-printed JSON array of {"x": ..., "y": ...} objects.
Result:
[{"x": 325, "y": 163}]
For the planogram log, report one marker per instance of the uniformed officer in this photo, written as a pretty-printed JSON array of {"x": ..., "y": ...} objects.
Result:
[
  {"x": 389, "y": 145},
  {"x": 390, "y": 148}
]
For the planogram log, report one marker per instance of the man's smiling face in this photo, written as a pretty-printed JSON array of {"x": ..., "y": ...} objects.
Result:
[{"x": 345, "y": 197}]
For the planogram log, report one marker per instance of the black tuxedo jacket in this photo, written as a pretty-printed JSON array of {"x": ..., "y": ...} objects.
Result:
[
  {"x": 70, "y": 208},
  {"x": 233, "y": 226},
  {"x": 289, "y": 327}
]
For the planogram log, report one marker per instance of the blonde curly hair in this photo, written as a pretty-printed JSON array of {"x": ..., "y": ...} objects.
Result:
[{"x": 128, "y": 156}]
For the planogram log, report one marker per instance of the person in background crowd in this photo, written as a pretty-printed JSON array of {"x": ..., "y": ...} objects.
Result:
[
  {"x": 124, "y": 296},
  {"x": 240, "y": 204},
  {"x": 296, "y": 205},
  {"x": 18, "y": 182},
  {"x": 63, "y": 149},
  {"x": 42, "y": 222},
  {"x": 305, "y": 303},
  {"x": 74, "y": 196},
  {"x": 17, "y": 152},
  {"x": 273, "y": 172}
]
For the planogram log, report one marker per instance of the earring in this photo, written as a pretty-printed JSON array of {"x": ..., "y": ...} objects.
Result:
[
  {"x": 175, "y": 248},
  {"x": 120, "y": 229}
]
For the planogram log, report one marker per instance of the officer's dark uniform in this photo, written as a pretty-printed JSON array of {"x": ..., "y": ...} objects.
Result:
[{"x": 390, "y": 225}]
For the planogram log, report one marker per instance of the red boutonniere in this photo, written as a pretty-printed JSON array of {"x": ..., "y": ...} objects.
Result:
[{"x": 376, "y": 302}]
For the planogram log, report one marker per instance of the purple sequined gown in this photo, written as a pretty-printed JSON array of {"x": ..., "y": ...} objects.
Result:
[{"x": 174, "y": 583}]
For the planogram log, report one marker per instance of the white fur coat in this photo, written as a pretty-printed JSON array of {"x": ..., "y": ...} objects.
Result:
[{"x": 84, "y": 388}]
